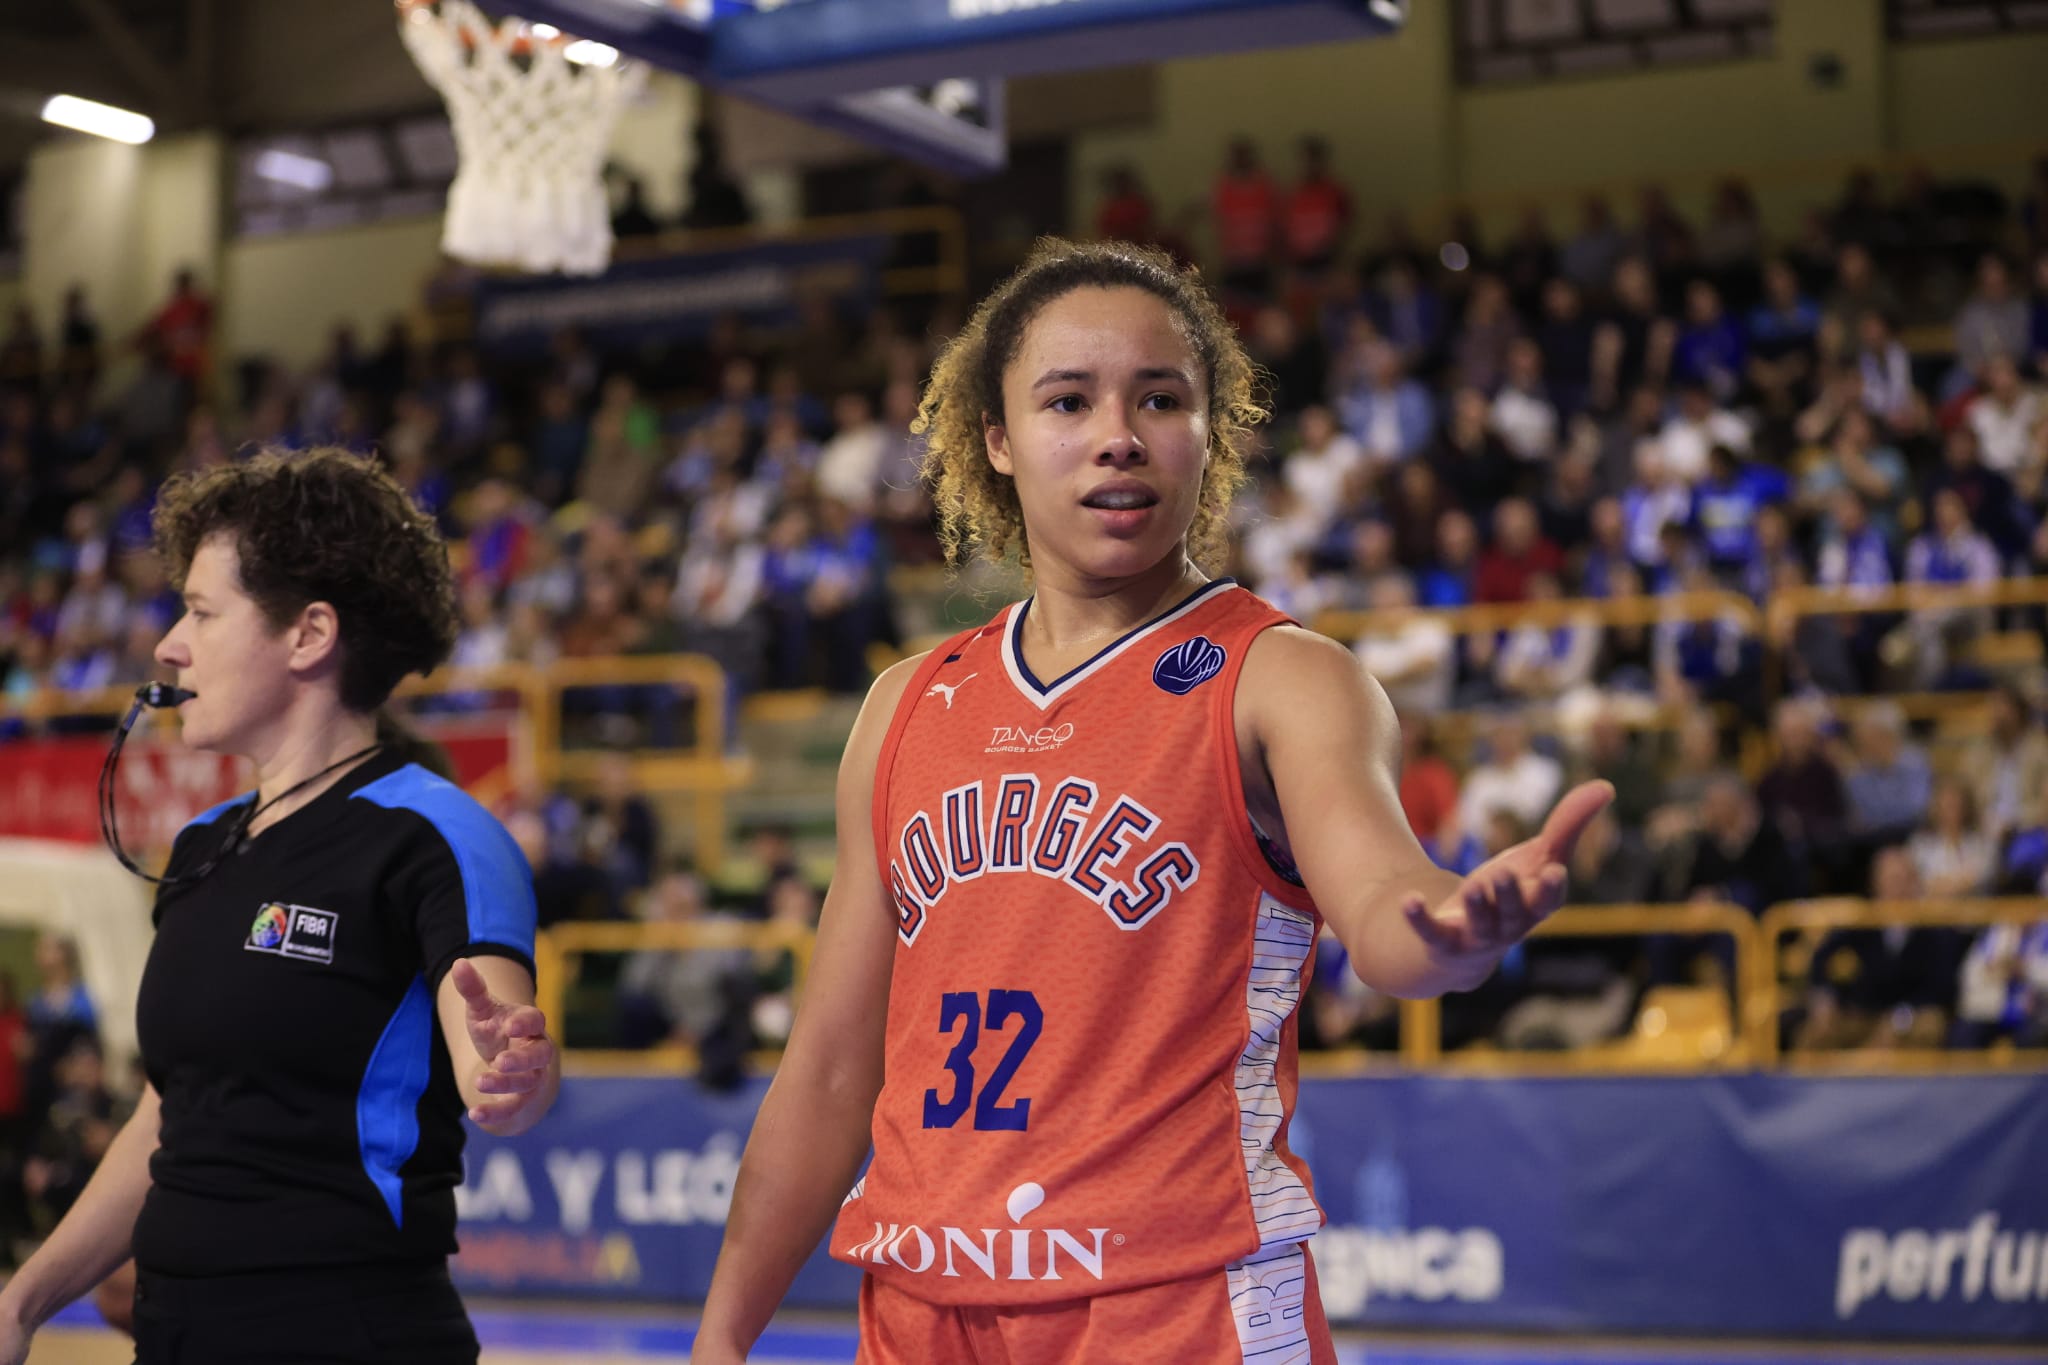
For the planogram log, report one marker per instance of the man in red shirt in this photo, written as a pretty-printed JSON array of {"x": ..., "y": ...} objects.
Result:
[
  {"x": 1247, "y": 213},
  {"x": 184, "y": 326},
  {"x": 1317, "y": 217},
  {"x": 1126, "y": 212},
  {"x": 1518, "y": 552}
]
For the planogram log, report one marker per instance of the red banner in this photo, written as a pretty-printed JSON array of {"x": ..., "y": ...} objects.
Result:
[{"x": 49, "y": 788}]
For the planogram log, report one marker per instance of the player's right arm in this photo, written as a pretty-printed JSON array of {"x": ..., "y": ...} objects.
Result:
[
  {"x": 92, "y": 1240},
  {"x": 812, "y": 1132}
]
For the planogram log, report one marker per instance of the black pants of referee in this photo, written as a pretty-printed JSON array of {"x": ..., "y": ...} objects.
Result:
[{"x": 337, "y": 1315}]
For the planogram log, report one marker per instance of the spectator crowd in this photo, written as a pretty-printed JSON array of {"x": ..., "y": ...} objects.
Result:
[{"x": 1640, "y": 406}]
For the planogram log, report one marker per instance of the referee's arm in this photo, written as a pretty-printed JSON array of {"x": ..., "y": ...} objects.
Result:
[
  {"x": 93, "y": 1238},
  {"x": 506, "y": 1066}
]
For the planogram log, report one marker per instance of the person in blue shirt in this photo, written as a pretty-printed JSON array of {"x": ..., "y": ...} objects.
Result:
[
  {"x": 1725, "y": 505},
  {"x": 1710, "y": 348}
]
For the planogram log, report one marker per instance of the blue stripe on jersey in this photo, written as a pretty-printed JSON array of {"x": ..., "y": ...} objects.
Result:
[
  {"x": 497, "y": 886},
  {"x": 387, "y": 1107},
  {"x": 212, "y": 813}
]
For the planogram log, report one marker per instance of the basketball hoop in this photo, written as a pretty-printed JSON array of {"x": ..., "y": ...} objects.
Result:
[{"x": 533, "y": 111}]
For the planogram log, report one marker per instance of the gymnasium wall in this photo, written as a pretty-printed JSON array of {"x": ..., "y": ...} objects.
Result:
[{"x": 1403, "y": 132}]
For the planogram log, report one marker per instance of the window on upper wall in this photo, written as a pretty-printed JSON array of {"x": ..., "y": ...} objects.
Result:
[
  {"x": 1510, "y": 42},
  {"x": 343, "y": 176},
  {"x": 1963, "y": 18}
]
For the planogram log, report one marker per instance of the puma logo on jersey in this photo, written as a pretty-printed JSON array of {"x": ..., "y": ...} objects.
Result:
[
  {"x": 1022, "y": 824},
  {"x": 947, "y": 690}
]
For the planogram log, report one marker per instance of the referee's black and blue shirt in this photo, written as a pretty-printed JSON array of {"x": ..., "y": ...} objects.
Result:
[{"x": 287, "y": 1019}]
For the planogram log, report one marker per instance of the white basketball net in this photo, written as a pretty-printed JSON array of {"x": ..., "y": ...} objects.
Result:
[{"x": 531, "y": 134}]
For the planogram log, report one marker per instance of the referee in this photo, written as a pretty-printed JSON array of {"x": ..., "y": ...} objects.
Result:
[{"x": 342, "y": 966}]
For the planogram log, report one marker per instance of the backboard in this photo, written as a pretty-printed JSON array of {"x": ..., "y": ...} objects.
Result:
[{"x": 924, "y": 78}]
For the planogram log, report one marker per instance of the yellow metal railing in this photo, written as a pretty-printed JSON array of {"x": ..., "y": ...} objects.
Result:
[
  {"x": 1813, "y": 919},
  {"x": 559, "y": 951}
]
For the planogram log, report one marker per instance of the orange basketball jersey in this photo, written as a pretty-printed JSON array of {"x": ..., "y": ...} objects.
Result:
[{"x": 1091, "y": 1035}]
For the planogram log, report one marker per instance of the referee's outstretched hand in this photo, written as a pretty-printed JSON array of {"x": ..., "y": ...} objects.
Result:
[
  {"x": 511, "y": 1039},
  {"x": 1510, "y": 893}
]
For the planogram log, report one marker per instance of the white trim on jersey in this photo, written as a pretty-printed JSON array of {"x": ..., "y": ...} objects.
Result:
[
  {"x": 1043, "y": 695},
  {"x": 1282, "y": 1208},
  {"x": 1267, "y": 1290}
]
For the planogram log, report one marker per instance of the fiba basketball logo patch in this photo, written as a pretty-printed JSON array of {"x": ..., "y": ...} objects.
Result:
[
  {"x": 1188, "y": 665},
  {"x": 297, "y": 931}
]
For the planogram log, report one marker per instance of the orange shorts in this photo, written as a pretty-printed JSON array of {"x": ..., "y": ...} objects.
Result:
[{"x": 1268, "y": 1312}]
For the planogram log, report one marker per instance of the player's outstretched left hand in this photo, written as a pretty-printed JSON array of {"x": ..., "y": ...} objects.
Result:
[
  {"x": 1511, "y": 893},
  {"x": 513, "y": 1042}
]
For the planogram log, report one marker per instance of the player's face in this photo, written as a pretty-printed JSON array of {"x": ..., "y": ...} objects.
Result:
[
  {"x": 1105, "y": 432},
  {"x": 227, "y": 651}
]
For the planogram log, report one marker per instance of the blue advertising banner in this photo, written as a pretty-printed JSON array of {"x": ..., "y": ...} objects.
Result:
[
  {"x": 670, "y": 298},
  {"x": 1743, "y": 1205}
]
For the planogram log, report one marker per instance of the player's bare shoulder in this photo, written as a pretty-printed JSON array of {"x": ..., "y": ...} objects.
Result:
[{"x": 1299, "y": 680}]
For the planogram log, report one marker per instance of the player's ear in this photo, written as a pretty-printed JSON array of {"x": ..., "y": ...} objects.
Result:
[{"x": 997, "y": 438}]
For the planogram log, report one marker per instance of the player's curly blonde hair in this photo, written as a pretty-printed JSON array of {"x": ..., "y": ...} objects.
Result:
[{"x": 978, "y": 509}]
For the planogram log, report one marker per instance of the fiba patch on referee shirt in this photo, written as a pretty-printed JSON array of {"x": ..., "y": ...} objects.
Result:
[{"x": 293, "y": 931}]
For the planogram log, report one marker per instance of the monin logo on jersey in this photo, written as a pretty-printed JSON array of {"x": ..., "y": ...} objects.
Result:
[{"x": 1014, "y": 1253}]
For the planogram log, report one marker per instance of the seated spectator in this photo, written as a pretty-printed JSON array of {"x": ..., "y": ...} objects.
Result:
[
  {"x": 1389, "y": 414},
  {"x": 1859, "y": 289},
  {"x": 1691, "y": 433},
  {"x": 1429, "y": 784},
  {"x": 850, "y": 465},
  {"x": 1783, "y": 341},
  {"x": 1709, "y": 349},
  {"x": 1614, "y": 754},
  {"x": 1479, "y": 355},
  {"x": 1853, "y": 459},
  {"x": 1990, "y": 498},
  {"x": 1950, "y": 851},
  {"x": 1565, "y": 336},
  {"x": 1320, "y": 466},
  {"x": 1726, "y": 505},
  {"x": 2010, "y": 767},
  {"x": 1950, "y": 552},
  {"x": 1853, "y": 553},
  {"x": 670, "y": 996},
  {"x": 2006, "y": 416},
  {"x": 1634, "y": 341},
  {"x": 1513, "y": 778},
  {"x": 1518, "y": 553},
  {"x": 1884, "y": 371},
  {"x": 1470, "y": 459},
  {"x": 1993, "y": 323},
  {"x": 1656, "y": 499},
  {"x": 1449, "y": 581},
  {"x": 1542, "y": 663},
  {"x": 1698, "y": 763},
  {"x": 1411, "y": 654},
  {"x": 793, "y": 905},
  {"x": 1802, "y": 792},
  {"x": 1406, "y": 312},
  {"x": 1413, "y": 505},
  {"x": 2002, "y": 993},
  {"x": 1736, "y": 857},
  {"x": 1523, "y": 413},
  {"x": 1889, "y": 782},
  {"x": 1880, "y": 989},
  {"x": 1590, "y": 255},
  {"x": 1527, "y": 261},
  {"x": 79, "y": 1126},
  {"x": 1704, "y": 660}
]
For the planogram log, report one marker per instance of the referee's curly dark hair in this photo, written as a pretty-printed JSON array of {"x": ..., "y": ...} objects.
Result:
[{"x": 331, "y": 526}]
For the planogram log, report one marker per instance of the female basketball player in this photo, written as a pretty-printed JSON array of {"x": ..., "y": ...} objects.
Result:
[
  {"x": 1083, "y": 852},
  {"x": 343, "y": 962}
]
